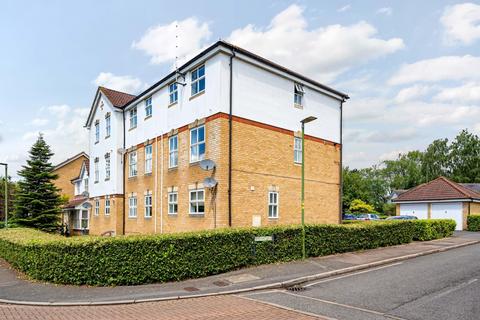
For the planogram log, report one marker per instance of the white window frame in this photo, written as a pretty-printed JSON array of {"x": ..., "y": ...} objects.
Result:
[
  {"x": 173, "y": 92},
  {"x": 298, "y": 93},
  {"x": 196, "y": 145},
  {"x": 148, "y": 107},
  {"x": 97, "y": 207},
  {"x": 173, "y": 203},
  {"x": 132, "y": 207},
  {"x": 148, "y": 158},
  {"x": 107, "y": 166},
  {"x": 273, "y": 204},
  {"x": 196, "y": 79},
  {"x": 81, "y": 218},
  {"x": 107, "y": 206},
  {"x": 97, "y": 170},
  {"x": 173, "y": 152},
  {"x": 97, "y": 132},
  {"x": 148, "y": 205},
  {"x": 133, "y": 117},
  {"x": 108, "y": 127},
  {"x": 196, "y": 203},
  {"x": 297, "y": 150},
  {"x": 132, "y": 164}
]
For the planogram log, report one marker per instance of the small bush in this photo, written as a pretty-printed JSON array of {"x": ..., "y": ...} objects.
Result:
[
  {"x": 128, "y": 260},
  {"x": 473, "y": 223}
]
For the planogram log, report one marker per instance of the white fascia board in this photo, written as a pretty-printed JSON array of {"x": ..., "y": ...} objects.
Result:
[{"x": 432, "y": 201}]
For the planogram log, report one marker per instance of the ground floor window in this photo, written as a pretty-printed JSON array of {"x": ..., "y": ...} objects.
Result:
[
  {"x": 197, "y": 202},
  {"x": 97, "y": 207},
  {"x": 80, "y": 219},
  {"x": 273, "y": 204},
  {"x": 172, "y": 203},
  {"x": 148, "y": 206},
  {"x": 107, "y": 205},
  {"x": 132, "y": 207}
]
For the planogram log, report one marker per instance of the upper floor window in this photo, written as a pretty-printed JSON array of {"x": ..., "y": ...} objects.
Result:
[
  {"x": 198, "y": 80},
  {"x": 148, "y": 206},
  {"x": 107, "y": 205},
  {"x": 173, "y": 151},
  {"x": 197, "y": 202},
  {"x": 77, "y": 187},
  {"x": 148, "y": 159},
  {"x": 132, "y": 164},
  {"x": 148, "y": 107},
  {"x": 85, "y": 184},
  {"x": 298, "y": 95},
  {"x": 273, "y": 204},
  {"x": 172, "y": 203},
  {"x": 97, "y": 131},
  {"x": 132, "y": 207},
  {"x": 97, "y": 172},
  {"x": 173, "y": 92},
  {"x": 297, "y": 150},
  {"x": 197, "y": 144},
  {"x": 108, "y": 128},
  {"x": 97, "y": 207},
  {"x": 107, "y": 166},
  {"x": 133, "y": 117}
]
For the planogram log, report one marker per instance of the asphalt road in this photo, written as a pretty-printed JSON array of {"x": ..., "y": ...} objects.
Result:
[{"x": 441, "y": 286}]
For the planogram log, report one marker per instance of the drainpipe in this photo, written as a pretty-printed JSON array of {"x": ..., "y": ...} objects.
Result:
[
  {"x": 341, "y": 162},
  {"x": 230, "y": 125},
  {"x": 123, "y": 174},
  {"x": 155, "y": 187},
  {"x": 161, "y": 181}
]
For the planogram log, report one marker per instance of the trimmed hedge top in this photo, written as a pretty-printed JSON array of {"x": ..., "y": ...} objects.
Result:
[
  {"x": 128, "y": 260},
  {"x": 473, "y": 222}
]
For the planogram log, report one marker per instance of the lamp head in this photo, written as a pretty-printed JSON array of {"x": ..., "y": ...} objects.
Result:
[{"x": 308, "y": 119}]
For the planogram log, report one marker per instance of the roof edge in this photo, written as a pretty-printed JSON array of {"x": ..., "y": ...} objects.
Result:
[{"x": 73, "y": 158}]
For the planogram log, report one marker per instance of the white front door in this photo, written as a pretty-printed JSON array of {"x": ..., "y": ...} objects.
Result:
[
  {"x": 449, "y": 210},
  {"x": 419, "y": 210}
]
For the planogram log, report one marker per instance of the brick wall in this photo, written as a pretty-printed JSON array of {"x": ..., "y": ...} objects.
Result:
[{"x": 66, "y": 173}]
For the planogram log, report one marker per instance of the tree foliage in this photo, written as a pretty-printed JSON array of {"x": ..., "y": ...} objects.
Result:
[
  {"x": 359, "y": 206},
  {"x": 37, "y": 202}
]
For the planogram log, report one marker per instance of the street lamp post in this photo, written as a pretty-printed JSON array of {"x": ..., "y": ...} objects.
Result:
[
  {"x": 306, "y": 120},
  {"x": 6, "y": 193}
]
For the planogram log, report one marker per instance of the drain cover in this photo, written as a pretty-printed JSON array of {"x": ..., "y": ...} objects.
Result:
[
  {"x": 190, "y": 289},
  {"x": 221, "y": 283},
  {"x": 296, "y": 288}
]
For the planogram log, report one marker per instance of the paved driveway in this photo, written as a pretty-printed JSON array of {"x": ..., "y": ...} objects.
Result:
[{"x": 439, "y": 286}]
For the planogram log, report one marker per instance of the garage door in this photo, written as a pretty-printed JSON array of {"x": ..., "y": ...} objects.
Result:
[
  {"x": 419, "y": 210},
  {"x": 453, "y": 210}
]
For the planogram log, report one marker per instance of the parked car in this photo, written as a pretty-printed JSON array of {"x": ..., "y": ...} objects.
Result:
[
  {"x": 402, "y": 218},
  {"x": 368, "y": 216},
  {"x": 348, "y": 216}
]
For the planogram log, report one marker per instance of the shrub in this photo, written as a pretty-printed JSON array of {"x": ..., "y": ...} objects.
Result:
[
  {"x": 128, "y": 260},
  {"x": 359, "y": 206},
  {"x": 473, "y": 223}
]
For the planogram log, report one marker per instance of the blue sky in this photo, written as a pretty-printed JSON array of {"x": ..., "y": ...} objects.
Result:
[{"x": 408, "y": 66}]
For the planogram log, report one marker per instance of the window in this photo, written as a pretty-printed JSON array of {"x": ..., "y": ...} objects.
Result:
[
  {"x": 97, "y": 207},
  {"x": 85, "y": 184},
  {"x": 197, "y": 202},
  {"x": 198, "y": 80},
  {"x": 297, "y": 150},
  {"x": 197, "y": 144},
  {"x": 273, "y": 204},
  {"x": 173, "y": 92},
  {"x": 84, "y": 222},
  {"x": 97, "y": 131},
  {"x": 132, "y": 207},
  {"x": 148, "y": 107},
  {"x": 107, "y": 126},
  {"x": 298, "y": 95},
  {"x": 173, "y": 151},
  {"x": 172, "y": 202},
  {"x": 148, "y": 159},
  {"x": 107, "y": 166},
  {"x": 97, "y": 173},
  {"x": 133, "y": 118},
  {"x": 132, "y": 164},
  {"x": 107, "y": 205},
  {"x": 148, "y": 206}
]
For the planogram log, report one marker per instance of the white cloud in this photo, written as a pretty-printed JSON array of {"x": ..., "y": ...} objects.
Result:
[
  {"x": 386, "y": 11},
  {"x": 466, "y": 93},
  {"x": 127, "y": 84},
  {"x": 365, "y": 109},
  {"x": 322, "y": 53},
  {"x": 392, "y": 155},
  {"x": 438, "y": 69},
  {"x": 412, "y": 93},
  {"x": 387, "y": 135},
  {"x": 461, "y": 23},
  {"x": 344, "y": 8},
  {"x": 160, "y": 42},
  {"x": 39, "y": 122}
]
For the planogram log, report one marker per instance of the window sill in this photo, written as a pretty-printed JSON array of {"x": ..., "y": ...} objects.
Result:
[
  {"x": 147, "y": 117},
  {"x": 172, "y": 104},
  {"x": 195, "y": 215},
  {"x": 132, "y": 218},
  {"x": 297, "y": 164},
  {"x": 148, "y": 174},
  {"x": 107, "y": 179},
  {"x": 298, "y": 106},
  {"x": 173, "y": 168},
  {"x": 148, "y": 218},
  {"x": 95, "y": 182},
  {"x": 106, "y": 137},
  {"x": 96, "y": 142},
  {"x": 273, "y": 218},
  {"x": 195, "y": 163},
  {"x": 107, "y": 215},
  {"x": 173, "y": 214},
  {"x": 132, "y": 128},
  {"x": 197, "y": 95},
  {"x": 132, "y": 178}
]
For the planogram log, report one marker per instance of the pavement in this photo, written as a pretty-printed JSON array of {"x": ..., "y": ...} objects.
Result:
[
  {"x": 15, "y": 289},
  {"x": 443, "y": 286}
]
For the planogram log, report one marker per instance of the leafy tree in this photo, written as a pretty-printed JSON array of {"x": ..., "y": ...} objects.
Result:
[
  {"x": 465, "y": 158},
  {"x": 359, "y": 206},
  {"x": 405, "y": 171},
  {"x": 436, "y": 160},
  {"x": 37, "y": 202}
]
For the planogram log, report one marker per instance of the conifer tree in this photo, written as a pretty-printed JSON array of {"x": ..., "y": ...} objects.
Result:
[{"x": 37, "y": 202}]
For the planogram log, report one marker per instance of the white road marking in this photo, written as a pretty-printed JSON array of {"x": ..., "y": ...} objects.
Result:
[
  {"x": 351, "y": 274},
  {"x": 460, "y": 286}
]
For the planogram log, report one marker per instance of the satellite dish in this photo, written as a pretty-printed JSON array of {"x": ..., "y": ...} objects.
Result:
[
  {"x": 207, "y": 164},
  {"x": 210, "y": 182}
]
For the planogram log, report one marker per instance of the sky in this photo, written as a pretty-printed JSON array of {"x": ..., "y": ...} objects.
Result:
[{"x": 411, "y": 68}]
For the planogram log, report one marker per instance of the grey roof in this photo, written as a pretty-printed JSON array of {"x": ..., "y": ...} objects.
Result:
[{"x": 472, "y": 186}]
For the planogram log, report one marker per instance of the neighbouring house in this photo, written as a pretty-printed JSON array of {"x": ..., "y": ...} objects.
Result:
[
  {"x": 214, "y": 144},
  {"x": 440, "y": 199},
  {"x": 68, "y": 170}
]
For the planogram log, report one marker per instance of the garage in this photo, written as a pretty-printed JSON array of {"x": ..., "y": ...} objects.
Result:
[
  {"x": 419, "y": 210},
  {"x": 448, "y": 210}
]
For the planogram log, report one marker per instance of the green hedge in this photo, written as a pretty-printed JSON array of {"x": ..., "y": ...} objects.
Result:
[
  {"x": 473, "y": 223},
  {"x": 157, "y": 258}
]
